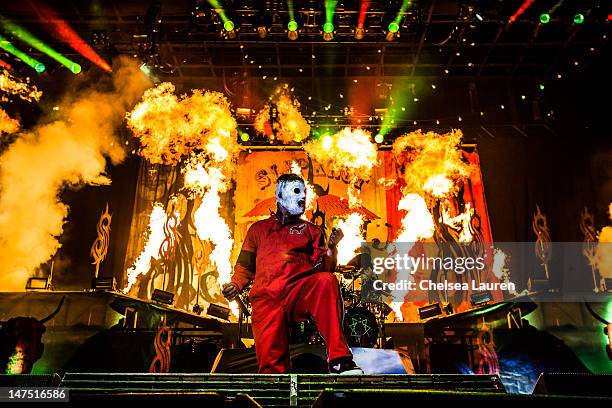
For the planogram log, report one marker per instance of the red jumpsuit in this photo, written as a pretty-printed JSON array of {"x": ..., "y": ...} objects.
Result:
[{"x": 288, "y": 264}]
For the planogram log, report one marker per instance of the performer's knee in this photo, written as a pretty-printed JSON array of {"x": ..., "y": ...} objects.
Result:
[{"x": 327, "y": 280}]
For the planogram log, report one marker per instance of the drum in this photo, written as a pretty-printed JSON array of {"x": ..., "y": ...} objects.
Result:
[{"x": 360, "y": 327}]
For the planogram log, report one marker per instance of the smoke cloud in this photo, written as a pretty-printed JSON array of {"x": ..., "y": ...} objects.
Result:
[{"x": 66, "y": 152}]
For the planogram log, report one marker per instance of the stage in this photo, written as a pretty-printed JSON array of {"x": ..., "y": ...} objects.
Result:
[{"x": 197, "y": 192}]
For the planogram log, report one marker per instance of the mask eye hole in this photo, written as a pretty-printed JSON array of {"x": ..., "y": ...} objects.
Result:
[{"x": 296, "y": 190}]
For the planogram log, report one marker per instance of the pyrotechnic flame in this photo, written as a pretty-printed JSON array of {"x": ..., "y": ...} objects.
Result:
[
  {"x": 155, "y": 237},
  {"x": 291, "y": 125},
  {"x": 7, "y": 124},
  {"x": 460, "y": 222},
  {"x": 434, "y": 162},
  {"x": 171, "y": 127},
  {"x": 603, "y": 255},
  {"x": 351, "y": 228},
  {"x": 417, "y": 224},
  {"x": 206, "y": 178},
  {"x": 349, "y": 149},
  {"x": 311, "y": 195},
  {"x": 67, "y": 152},
  {"x": 500, "y": 263},
  {"x": 13, "y": 86}
]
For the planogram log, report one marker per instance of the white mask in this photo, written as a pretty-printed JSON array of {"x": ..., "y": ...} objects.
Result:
[{"x": 292, "y": 196}]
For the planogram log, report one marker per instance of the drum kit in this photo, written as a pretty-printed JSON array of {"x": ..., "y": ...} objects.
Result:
[{"x": 364, "y": 312}]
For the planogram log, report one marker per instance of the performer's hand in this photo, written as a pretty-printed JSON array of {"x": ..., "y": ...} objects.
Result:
[
  {"x": 335, "y": 237},
  {"x": 230, "y": 291}
]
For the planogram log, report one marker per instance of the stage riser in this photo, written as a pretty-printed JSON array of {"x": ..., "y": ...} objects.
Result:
[{"x": 269, "y": 390}]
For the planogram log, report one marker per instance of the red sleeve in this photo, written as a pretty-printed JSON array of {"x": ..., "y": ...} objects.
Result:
[
  {"x": 320, "y": 257},
  {"x": 244, "y": 270}
]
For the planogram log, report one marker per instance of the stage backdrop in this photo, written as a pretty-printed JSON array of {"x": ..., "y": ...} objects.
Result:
[{"x": 253, "y": 199}]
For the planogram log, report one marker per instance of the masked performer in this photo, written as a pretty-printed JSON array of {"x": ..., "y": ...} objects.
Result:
[{"x": 289, "y": 264}]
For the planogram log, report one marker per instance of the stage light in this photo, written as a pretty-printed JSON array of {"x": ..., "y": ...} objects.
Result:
[
  {"x": 5, "y": 65},
  {"x": 428, "y": 311},
  {"x": 363, "y": 9},
  {"x": 544, "y": 18},
  {"x": 146, "y": 68},
  {"x": 359, "y": 33},
  {"x": 328, "y": 27},
  {"x": 25, "y": 36},
  {"x": 379, "y": 138},
  {"x": 292, "y": 34},
  {"x": 162, "y": 296},
  {"x": 541, "y": 86},
  {"x": 37, "y": 284},
  {"x": 108, "y": 283},
  {"x": 393, "y": 27},
  {"x": 228, "y": 25},
  {"x": 480, "y": 298},
  {"x": 526, "y": 4},
  {"x": 218, "y": 311},
  {"x": 244, "y": 137},
  {"x": 262, "y": 32},
  {"x": 578, "y": 18},
  {"x": 61, "y": 30},
  {"x": 10, "y": 48},
  {"x": 479, "y": 17}
]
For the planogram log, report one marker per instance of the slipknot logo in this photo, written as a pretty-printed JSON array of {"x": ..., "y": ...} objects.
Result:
[{"x": 297, "y": 229}]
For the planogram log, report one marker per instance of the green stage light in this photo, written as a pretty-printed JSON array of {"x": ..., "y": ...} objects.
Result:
[
  {"x": 379, "y": 138},
  {"x": 292, "y": 26},
  {"x": 578, "y": 18},
  {"x": 393, "y": 27},
  {"x": 228, "y": 25},
  {"x": 10, "y": 48},
  {"x": 27, "y": 37},
  {"x": 544, "y": 18},
  {"x": 244, "y": 137},
  {"x": 541, "y": 86},
  {"x": 328, "y": 28}
]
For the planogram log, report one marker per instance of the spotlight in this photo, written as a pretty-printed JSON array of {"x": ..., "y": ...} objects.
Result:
[
  {"x": 480, "y": 298},
  {"x": 328, "y": 31},
  {"x": 104, "y": 283},
  {"x": 262, "y": 32},
  {"x": 544, "y": 18},
  {"x": 244, "y": 137},
  {"x": 292, "y": 32},
  {"x": 479, "y": 17},
  {"x": 578, "y": 18},
  {"x": 218, "y": 311},
  {"x": 390, "y": 36},
  {"x": 37, "y": 284},
  {"x": 428, "y": 311},
  {"x": 162, "y": 296},
  {"x": 393, "y": 27},
  {"x": 229, "y": 28},
  {"x": 359, "y": 33},
  {"x": 379, "y": 138}
]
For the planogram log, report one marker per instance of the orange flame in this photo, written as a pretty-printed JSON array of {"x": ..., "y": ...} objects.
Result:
[
  {"x": 154, "y": 240},
  {"x": 171, "y": 127},
  {"x": 291, "y": 125},
  {"x": 13, "y": 86},
  {"x": 603, "y": 255},
  {"x": 434, "y": 162},
  {"x": 7, "y": 124}
]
